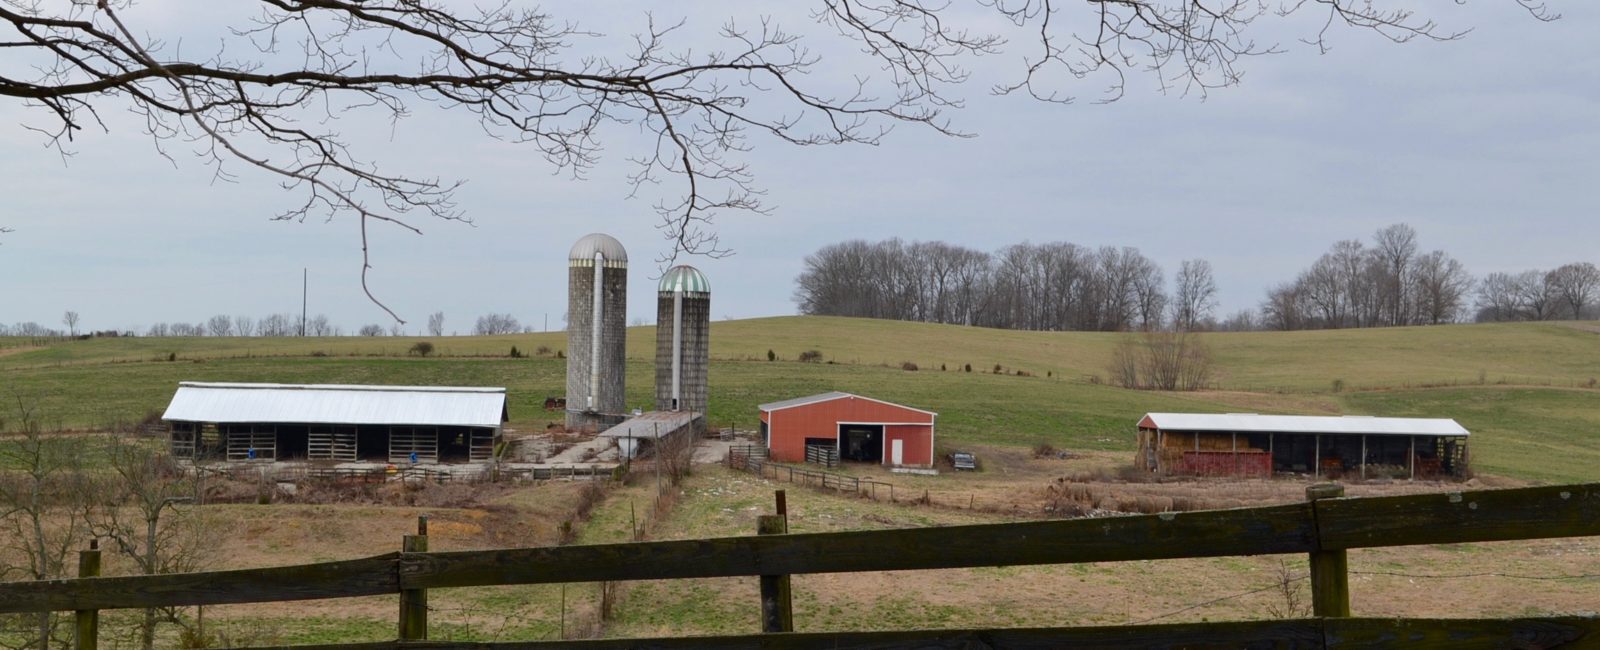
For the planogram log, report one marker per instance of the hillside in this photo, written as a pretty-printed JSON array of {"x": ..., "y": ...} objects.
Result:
[{"x": 1524, "y": 389}]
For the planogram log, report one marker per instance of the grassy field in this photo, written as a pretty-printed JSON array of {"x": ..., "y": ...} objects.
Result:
[{"x": 1524, "y": 388}]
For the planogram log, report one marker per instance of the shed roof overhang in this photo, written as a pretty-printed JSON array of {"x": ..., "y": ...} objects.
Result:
[
  {"x": 234, "y": 403},
  {"x": 1303, "y": 424}
]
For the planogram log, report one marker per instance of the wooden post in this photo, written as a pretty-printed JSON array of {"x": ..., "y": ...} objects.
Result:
[
  {"x": 1411, "y": 458},
  {"x": 783, "y": 507},
  {"x": 1330, "y": 576},
  {"x": 88, "y": 620},
  {"x": 414, "y": 602},
  {"x": 1363, "y": 457},
  {"x": 777, "y": 609},
  {"x": 1316, "y": 457}
]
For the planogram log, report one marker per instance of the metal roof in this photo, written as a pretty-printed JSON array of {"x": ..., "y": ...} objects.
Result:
[
  {"x": 585, "y": 249},
  {"x": 1358, "y": 424},
  {"x": 653, "y": 424},
  {"x": 684, "y": 278},
  {"x": 828, "y": 397},
  {"x": 337, "y": 404}
]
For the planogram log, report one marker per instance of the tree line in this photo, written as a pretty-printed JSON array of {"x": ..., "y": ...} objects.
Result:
[
  {"x": 1392, "y": 283},
  {"x": 280, "y": 324},
  {"x": 1052, "y": 286},
  {"x": 1065, "y": 286}
]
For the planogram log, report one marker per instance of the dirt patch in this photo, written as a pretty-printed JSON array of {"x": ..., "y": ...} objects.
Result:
[{"x": 4, "y": 352}]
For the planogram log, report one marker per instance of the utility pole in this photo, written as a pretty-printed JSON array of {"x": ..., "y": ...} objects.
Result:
[{"x": 304, "y": 283}]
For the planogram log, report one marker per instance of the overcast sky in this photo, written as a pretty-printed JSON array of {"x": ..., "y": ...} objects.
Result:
[{"x": 1489, "y": 147}]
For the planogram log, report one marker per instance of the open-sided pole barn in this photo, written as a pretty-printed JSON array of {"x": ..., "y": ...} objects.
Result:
[
  {"x": 395, "y": 424},
  {"x": 853, "y": 427},
  {"x": 1247, "y": 444}
]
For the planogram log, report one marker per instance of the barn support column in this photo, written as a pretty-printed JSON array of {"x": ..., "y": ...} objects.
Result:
[
  {"x": 1363, "y": 457},
  {"x": 1236, "y": 453},
  {"x": 1411, "y": 458},
  {"x": 1272, "y": 456},
  {"x": 1316, "y": 458}
]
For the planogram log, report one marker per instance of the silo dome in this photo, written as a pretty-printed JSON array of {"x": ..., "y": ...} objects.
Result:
[
  {"x": 684, "y": 278},
  {"x": 601, "y": 243}
]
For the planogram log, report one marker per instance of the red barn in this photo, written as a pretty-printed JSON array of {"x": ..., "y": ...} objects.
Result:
[{"x": 859, "y": 428}]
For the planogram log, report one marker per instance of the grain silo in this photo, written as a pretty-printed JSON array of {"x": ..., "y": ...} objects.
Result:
[
  {"x": 597, "y": 318},
  {"x": 683, "y": 340}
]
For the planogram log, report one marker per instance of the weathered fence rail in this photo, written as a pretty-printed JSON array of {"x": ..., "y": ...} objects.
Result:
[{"x": 1323, "y": 528}]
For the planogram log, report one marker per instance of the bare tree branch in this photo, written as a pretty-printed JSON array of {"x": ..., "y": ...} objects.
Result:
[{"x": 302, "y": 64}]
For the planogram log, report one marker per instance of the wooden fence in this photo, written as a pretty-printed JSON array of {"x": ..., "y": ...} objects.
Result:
[
  {"x": 1324, "y": 527},
  {"x": 754, "y": 460}
]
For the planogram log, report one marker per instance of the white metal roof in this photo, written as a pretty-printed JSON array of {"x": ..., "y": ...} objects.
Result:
[
  {"x": 1358, "y": 424},
  {"x": 828, "y": 397},
  {"x": 653, "y": 424},
  {"x": 337, "y": 404}
]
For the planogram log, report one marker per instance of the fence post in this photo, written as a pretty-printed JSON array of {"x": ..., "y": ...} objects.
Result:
[
  {"x": 777, "y": 610},
  {"x": 88, "y": 620},
  {"x": 414, "y": 602},
  {"x": 1330, "y": 570}
]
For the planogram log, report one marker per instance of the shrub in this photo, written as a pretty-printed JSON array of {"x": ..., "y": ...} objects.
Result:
[
  {"x": 771, "y": 356},
  {"x": 941, "y": 367},
  {"x": 1023, "y": 373},
  {"x": 969, "y": 367},
  {"x": 998, "y": 369},
  {"x": 811, "y": 356},
  {"x": 172, "y": 356},
  {"x": 515, "y": 353},
  {"x": 908, "y": 366},
  {"x": 544, "y": 350},
  {"x": 1044, "y": 450},
  {"x": 1338, "y": 385},
  {"x": 421, "y": 348},
  {"x": 561, "y": 354}
]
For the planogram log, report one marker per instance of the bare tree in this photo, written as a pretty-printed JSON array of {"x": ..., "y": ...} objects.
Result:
[
  {"x": 514, "y": 71},
  {"x": 244, "y": 325},
  {"x": 496, "y": 324},
  {"x": 219, "y": 325},
  {"x": 1161, "y": 361},
  {"x": 1442, "y": 284},
  {"x": 1395, "y": 250},
  {"x": 1194, "y": 295},
  {"x": 436, "y": 323},
  {"x": 319, "y": 325},
  {"x": 40, "y": 498},
  {"x": 279, "y": 325},
  {"x": 70, "y": 319},
  {"x": 1577, "y": 285},
  {"x": 144, "y": 485}
]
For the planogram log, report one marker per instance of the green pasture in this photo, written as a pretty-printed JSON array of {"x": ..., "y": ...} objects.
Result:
[{"x": 1523, "y": 389}]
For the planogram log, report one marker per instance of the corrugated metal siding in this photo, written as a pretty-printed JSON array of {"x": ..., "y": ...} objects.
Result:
[
  {"x": 335, "y": 404},
  {"x": 918, "y": 445},
  {"x": 1243, "y": 422},
  {"x": 790, "y": 427}
]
